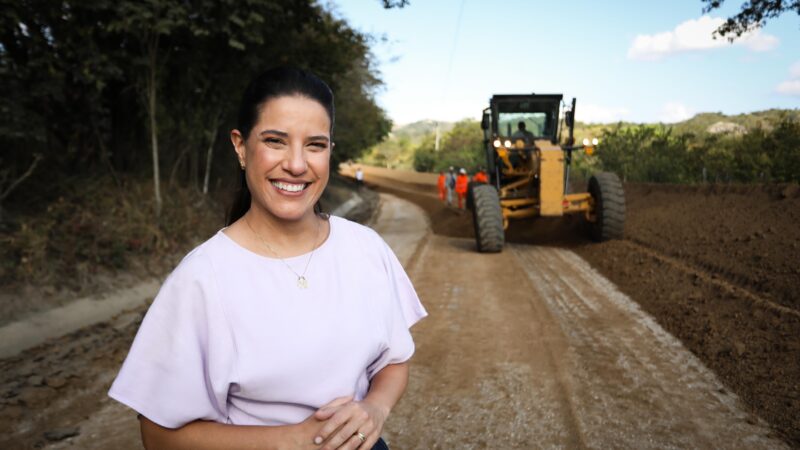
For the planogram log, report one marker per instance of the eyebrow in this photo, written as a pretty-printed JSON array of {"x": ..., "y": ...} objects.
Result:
[
  {"x": 278, "y": 132},
  {"x": 284, "y": 134}
]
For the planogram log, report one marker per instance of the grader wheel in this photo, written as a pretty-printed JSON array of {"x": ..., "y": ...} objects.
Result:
[
  {"x": 487, "y": 218},
  {"x": 609, "y": 207}
]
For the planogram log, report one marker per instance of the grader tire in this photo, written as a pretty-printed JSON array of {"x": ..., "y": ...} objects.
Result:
[
  {"x": 487, "y": 218},
  {"x": 470, "y": 195},
  {"x": 609, "y": 201}
]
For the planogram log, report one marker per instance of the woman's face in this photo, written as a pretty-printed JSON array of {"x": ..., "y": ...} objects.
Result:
[{"x": 287, "y": 156}]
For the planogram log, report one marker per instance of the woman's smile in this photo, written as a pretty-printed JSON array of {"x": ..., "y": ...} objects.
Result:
[{"x": 289, "y": 187}]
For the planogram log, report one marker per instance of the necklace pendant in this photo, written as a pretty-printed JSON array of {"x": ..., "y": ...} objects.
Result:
[{"x": 302, "y": 283}]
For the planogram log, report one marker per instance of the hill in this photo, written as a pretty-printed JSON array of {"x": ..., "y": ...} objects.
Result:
[{"x": 397, "y": 150}]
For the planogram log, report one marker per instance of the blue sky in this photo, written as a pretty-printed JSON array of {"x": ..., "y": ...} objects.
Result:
[{"x": 640, "y": 61}]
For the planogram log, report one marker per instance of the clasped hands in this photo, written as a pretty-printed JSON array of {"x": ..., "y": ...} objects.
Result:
[{"x": 344, "y": 419}]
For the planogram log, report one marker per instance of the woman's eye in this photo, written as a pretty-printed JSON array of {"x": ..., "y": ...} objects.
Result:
[
  {"x": 318, "y": 145},
  {"x": 273, "y": 141}
]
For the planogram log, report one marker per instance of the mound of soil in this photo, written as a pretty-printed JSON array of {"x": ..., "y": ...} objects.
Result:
[{"x": 717, "y": 266}]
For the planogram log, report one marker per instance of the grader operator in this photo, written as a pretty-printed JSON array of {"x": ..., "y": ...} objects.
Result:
[{"x": 529, "y": 172}]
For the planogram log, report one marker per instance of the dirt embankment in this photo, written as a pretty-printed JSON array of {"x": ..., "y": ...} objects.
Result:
[{"x": 717, "y": 266}]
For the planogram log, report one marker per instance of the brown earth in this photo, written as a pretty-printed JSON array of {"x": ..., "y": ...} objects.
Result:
[
  {"x": 745, "y": 335},
  {"x": 717, "y": 266}
]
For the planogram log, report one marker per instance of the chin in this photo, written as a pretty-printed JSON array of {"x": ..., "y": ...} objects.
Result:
[{"x": 291, "y": 214}]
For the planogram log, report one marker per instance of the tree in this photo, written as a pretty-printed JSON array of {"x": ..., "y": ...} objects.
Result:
[
  {"x": 754, "y": 14},
  {"x": 388, "y": 4}
]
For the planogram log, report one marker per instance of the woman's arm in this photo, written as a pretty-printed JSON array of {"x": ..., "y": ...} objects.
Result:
[
  {"x": 344, "y": 422},
  {"x": 200, "y": 435}
]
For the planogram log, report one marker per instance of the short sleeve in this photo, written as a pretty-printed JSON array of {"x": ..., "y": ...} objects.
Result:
[
  {"x": 404, "y": 310},
  {"x": 181, "y": 363}
]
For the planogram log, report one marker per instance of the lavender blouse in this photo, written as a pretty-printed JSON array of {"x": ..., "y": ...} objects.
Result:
[{"x": 231, "y": 338}]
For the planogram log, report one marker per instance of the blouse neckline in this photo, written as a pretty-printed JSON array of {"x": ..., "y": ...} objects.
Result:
[{"x": 321, "y": 247}]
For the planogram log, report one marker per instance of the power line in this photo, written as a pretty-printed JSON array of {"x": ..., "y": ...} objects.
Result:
[{"x": 450, "y": 67}]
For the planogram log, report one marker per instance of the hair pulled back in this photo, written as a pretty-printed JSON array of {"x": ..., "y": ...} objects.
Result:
[{"x": 274, "y": 83}]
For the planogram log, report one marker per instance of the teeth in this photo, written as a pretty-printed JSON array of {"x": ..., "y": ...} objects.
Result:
[{"x": 288, "y": 186}]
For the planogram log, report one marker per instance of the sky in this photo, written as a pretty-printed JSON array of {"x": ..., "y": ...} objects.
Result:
[{"x": 638, "y": 61}]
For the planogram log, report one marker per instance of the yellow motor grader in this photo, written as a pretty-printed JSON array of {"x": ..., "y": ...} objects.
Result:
[{"x": 529, "y": 172}]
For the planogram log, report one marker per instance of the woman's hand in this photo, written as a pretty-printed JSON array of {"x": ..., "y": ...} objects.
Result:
[{"x": 345, "y": 419}]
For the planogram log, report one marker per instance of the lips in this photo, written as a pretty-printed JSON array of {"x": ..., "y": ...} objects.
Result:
[{"x": 289, "y": 187}]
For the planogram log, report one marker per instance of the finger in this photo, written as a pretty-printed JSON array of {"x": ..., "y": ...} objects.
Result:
[
  {"x": 367, "y": 444},
  {"x": 355, "y": 418},
  {"x": 338, "y": 401},
  {"x": 328, "y": 409},
  {"x": 332, "y": 426},
  {"x": 355, "y": 443},
  {"x": 326, "y": 413}
]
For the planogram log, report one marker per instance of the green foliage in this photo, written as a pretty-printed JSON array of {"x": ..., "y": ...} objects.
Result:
[
  {"x": 462, "y": 146},
  {"x": 398, "y": 151},
  {"x": 76, "y": 79},
  {"x": 753, "y": 14},
  {"x": 656, "y": 153}
]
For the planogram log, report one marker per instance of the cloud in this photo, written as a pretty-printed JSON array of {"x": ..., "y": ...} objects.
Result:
[
  {"x": 675, "y": 112},
  {"x": 789, "y": 87},
  {"x": 589, "y": 113},
  {"x": 792, "y": 85},
  {"x": 794, "y": 71},
  {"x": 695, "y": 35}
]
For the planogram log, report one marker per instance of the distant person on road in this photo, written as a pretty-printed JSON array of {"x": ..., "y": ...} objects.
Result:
[
  {"x": 450, "y": 182},
  {"x": 480, "y": 176},
  {"x": 359, "y": 177},
  {"x": 523, "y": 134},
  {"x": 440, "y": 183},
  {"x": 289, "y": 328},
  {"x": 462, "y": 182}
]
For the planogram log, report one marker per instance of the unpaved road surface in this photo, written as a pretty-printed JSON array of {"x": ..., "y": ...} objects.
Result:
[
  {"x": 530, "y": 348},
  {"x": 717, "y": 266}
]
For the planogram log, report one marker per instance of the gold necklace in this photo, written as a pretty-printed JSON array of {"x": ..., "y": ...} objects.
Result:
[{"x": 302, "y": 281}]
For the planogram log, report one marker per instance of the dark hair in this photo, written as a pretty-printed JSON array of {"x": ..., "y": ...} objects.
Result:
[
  {"x": 274, "y": 83},
  {"x": 521, "y": 125}
]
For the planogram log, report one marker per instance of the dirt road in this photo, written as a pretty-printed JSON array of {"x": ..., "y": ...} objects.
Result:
[{"x": 530, "y": 348}]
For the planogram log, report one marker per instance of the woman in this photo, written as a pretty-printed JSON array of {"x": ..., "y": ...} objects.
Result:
[{"x": 288, "y": 328}]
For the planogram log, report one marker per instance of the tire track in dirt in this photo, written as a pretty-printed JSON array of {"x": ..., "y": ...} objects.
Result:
[
  {"x": 710, "y": 276},
  {"x": 635, "y": 386}
]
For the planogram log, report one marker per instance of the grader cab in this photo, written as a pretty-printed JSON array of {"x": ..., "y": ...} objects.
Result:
[{"x": 529, "y": 172}]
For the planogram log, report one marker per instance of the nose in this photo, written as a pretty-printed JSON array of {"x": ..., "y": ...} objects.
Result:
[{"x": 294, "y": 161}]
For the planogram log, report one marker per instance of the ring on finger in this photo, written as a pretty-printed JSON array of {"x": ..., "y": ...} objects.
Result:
[{"x": 361, "y": 436}]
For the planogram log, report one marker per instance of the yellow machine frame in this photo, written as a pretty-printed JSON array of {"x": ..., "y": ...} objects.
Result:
[{"x": 552, "y": 201}]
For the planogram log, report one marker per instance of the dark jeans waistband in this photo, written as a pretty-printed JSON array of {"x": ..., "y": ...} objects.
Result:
[{"x": 380, "y": 445}]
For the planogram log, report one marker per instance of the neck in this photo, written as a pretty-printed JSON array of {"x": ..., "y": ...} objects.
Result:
[{"x": 286, "y": 237}]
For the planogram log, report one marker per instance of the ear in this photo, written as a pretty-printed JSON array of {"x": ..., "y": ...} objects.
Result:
[{"x": 238, "y": 146}]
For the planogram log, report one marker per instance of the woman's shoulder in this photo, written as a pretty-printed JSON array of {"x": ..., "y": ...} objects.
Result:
[
  {"x": 197, "y": 264},
  {"x": 358, "y": 237},
  {"x": 353, "y": 231}
]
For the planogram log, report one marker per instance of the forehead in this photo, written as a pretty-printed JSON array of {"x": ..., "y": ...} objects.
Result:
[{"x": 294, "y": 111}]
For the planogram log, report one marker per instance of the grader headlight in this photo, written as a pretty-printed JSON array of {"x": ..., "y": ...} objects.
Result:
[
  {"x": 588, "y": 146},
  {"x": 507, "y": 143},
  {"x": 496, "y": 143}
]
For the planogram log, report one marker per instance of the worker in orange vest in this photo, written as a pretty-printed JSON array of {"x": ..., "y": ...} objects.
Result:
[
  {"x": 440, "y": 184},
  {"x": 480, "y": 176},
  {"x": 462, "y": 180}
]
